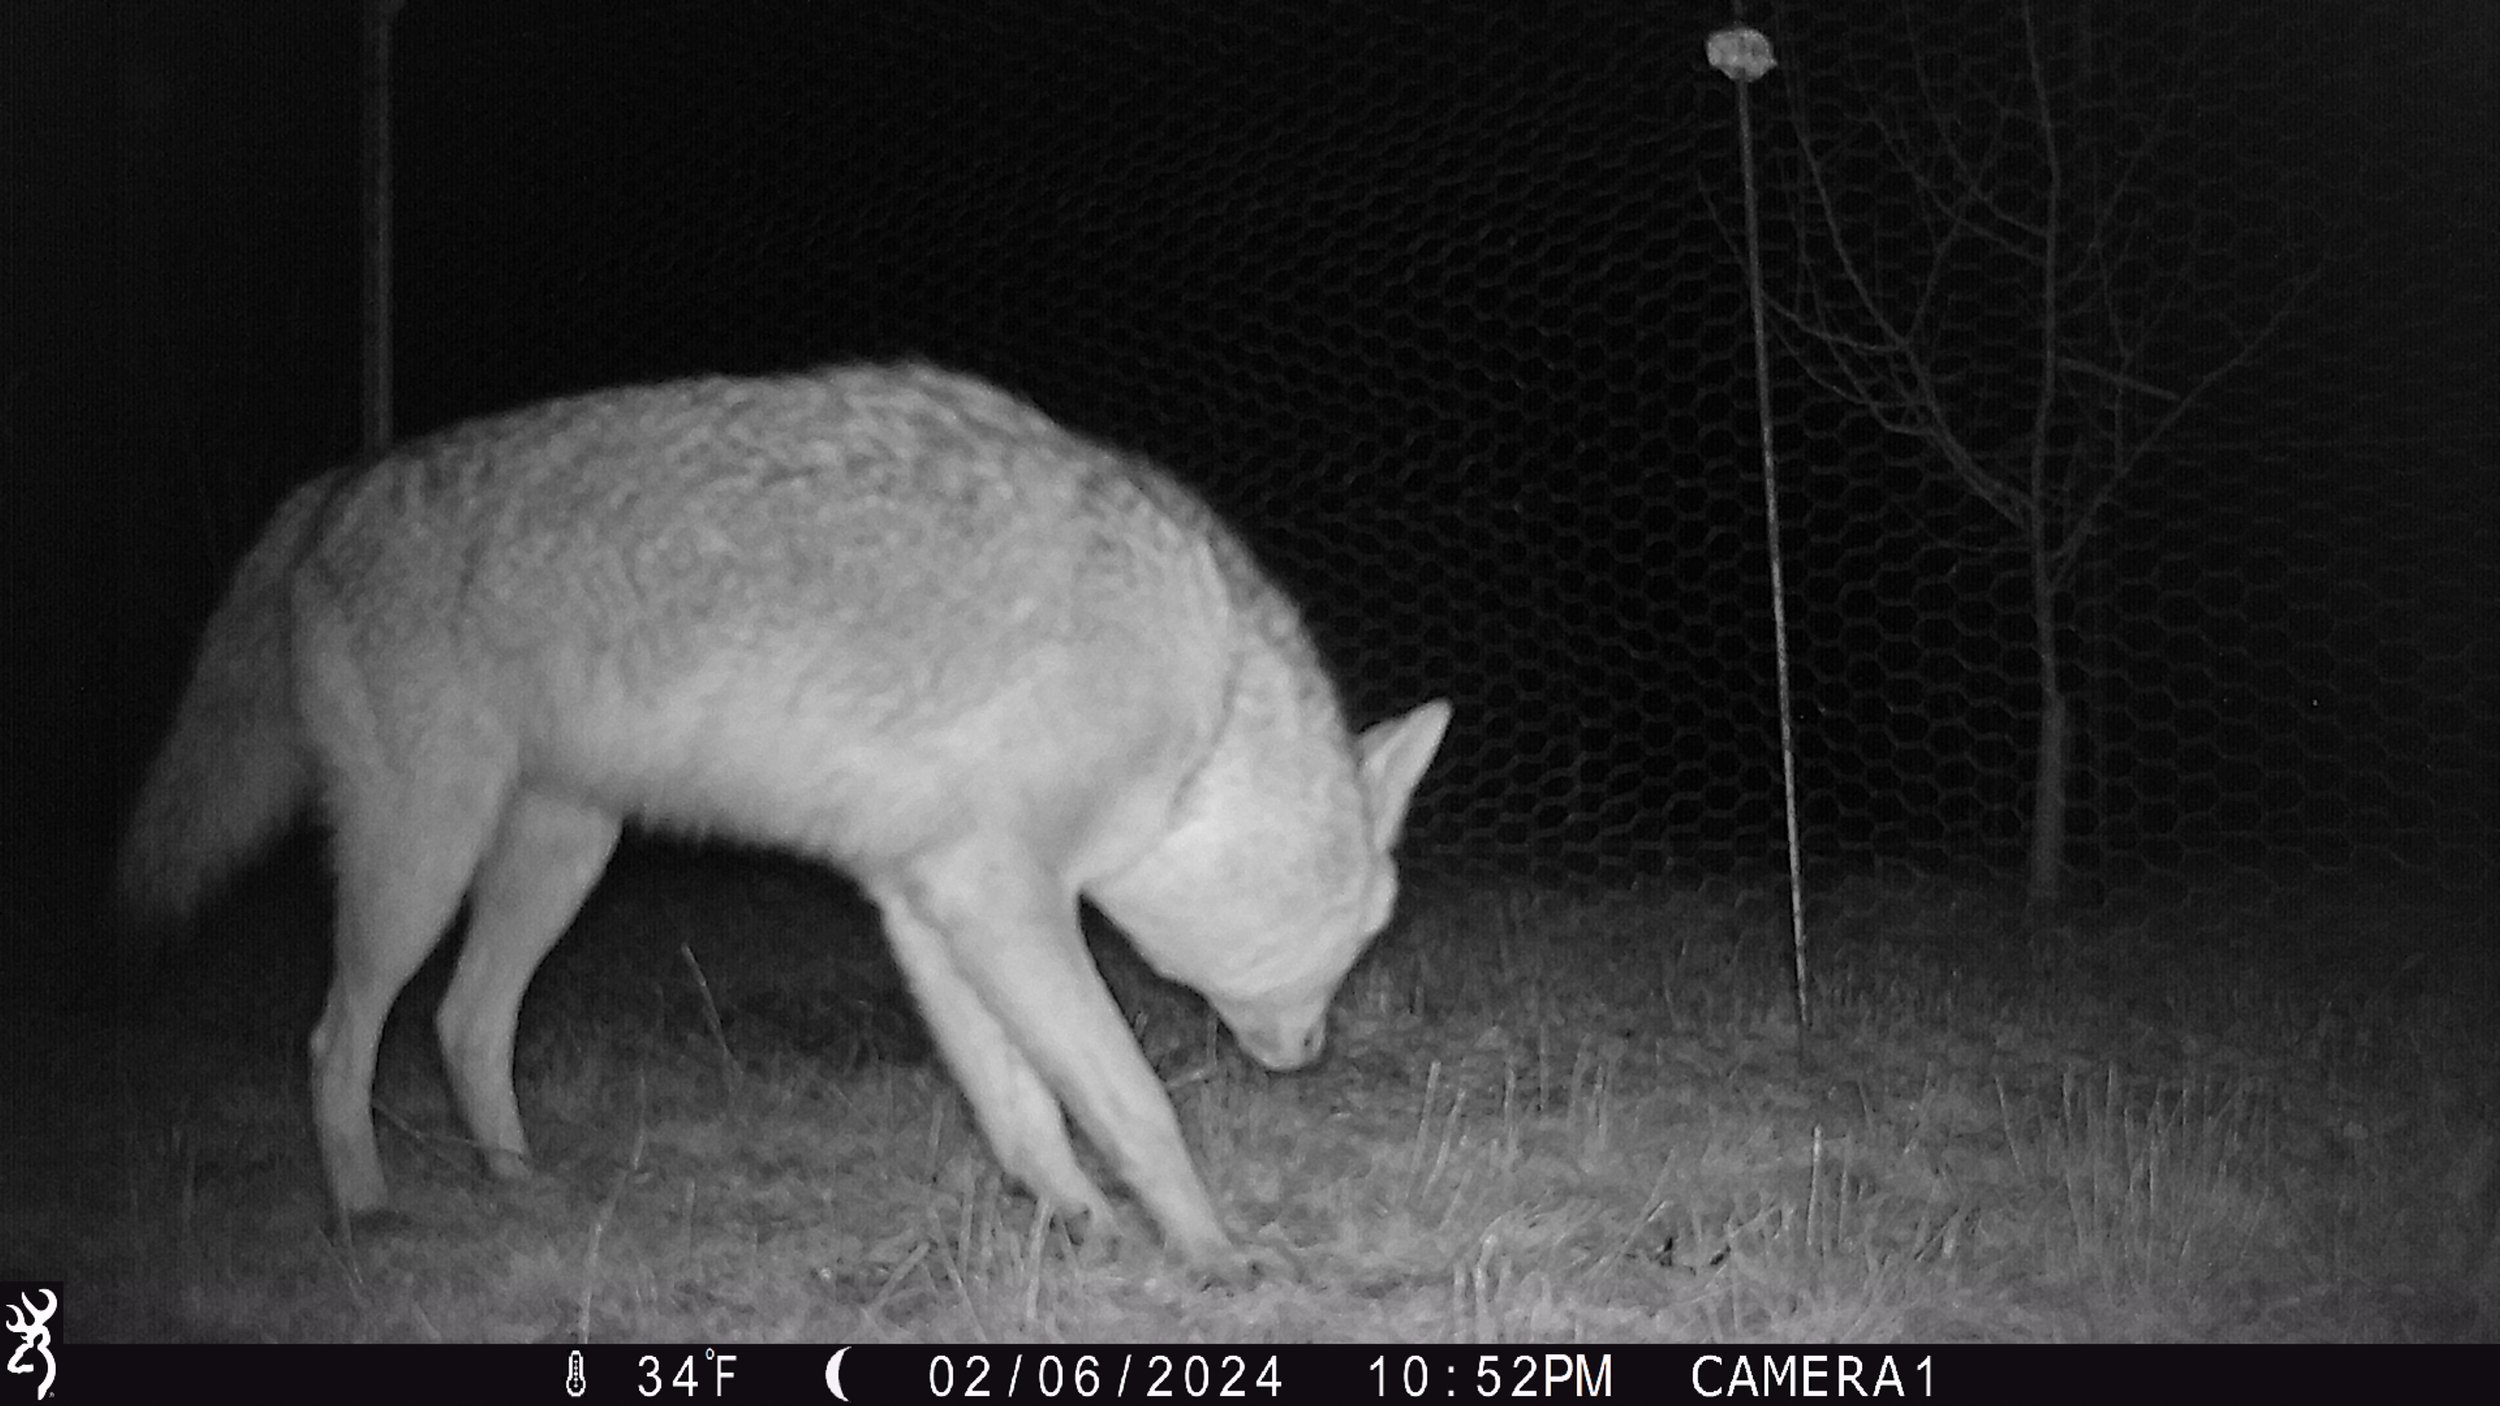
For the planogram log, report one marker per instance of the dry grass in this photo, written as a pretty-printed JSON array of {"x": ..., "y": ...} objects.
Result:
[{"x": 1546, "y": 1117}]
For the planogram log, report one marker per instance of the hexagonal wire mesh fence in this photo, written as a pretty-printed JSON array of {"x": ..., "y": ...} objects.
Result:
[{"x": 1445, "y": 307}]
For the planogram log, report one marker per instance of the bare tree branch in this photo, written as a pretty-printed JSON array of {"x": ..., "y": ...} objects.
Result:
[{"x": 2032, "y": 204}]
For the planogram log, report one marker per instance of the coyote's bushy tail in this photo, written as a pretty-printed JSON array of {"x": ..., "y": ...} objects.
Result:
[{"x": 233, "y": 769}]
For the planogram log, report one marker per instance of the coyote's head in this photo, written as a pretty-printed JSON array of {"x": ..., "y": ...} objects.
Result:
[{"x": 1277, "y": 873}]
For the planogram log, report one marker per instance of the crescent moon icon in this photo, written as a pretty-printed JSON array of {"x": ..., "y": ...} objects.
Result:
[{"x": 833, "y": 1373}]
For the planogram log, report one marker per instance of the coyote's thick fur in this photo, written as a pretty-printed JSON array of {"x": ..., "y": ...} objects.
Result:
[{"x": 886, "y": 616}]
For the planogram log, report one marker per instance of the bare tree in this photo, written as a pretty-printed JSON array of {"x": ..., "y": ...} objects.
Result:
[{"x": 2019, "y": 196}]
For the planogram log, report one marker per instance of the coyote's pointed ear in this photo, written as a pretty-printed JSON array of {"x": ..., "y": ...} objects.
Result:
[{"x": 1395, "y": 754}]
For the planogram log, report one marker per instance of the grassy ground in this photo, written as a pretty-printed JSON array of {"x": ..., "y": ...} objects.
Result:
[{"x": 2259, "y": 1116}]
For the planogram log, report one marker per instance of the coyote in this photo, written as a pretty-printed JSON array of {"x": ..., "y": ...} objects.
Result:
[{"x": 889, "y": 617}]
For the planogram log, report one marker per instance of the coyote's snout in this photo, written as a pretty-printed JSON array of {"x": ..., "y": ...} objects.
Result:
[{"x": 888, "y": 617}]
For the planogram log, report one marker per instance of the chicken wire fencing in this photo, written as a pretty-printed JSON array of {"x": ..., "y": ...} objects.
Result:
[{"x": 1445, "y": 307}]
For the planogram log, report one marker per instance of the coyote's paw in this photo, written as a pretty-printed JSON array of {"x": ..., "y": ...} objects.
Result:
[
  {"x": 1246, "y": 1264},
  {"x": 379, "y": 1225},
  {"x": 505, "y": 1165},
  {"x": 1093, "y": 1230}
]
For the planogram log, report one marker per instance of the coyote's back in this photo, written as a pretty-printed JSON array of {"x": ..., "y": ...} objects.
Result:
[{"x": 886, "y": 616}]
